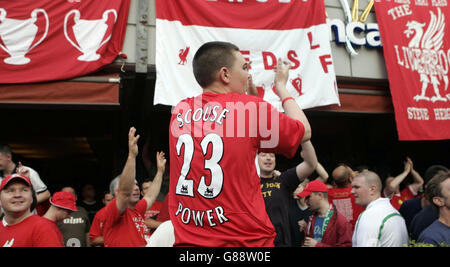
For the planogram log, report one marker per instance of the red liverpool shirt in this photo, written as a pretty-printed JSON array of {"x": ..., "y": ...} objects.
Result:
[
  {"x": 344, "y": 201},
  {"x": 33, "y": 231},
  {"x": 97, "y": 225},
  {"x": 215, "y": 196},
  {"x": 126, "y": 230}
]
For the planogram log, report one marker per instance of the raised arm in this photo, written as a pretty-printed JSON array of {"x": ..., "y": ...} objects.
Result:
[
  {"x": 127, "y": 178},
  {"x": 418, "y": 180},
  {"x": 152, "y": 193},
  {"x": 392, "y": 185},
  {"x": 34, "y": 176},
  {"x": 309, "y": 163},
  {"x": 323, "y": 174},
  {"x": 290, "y": 106}
]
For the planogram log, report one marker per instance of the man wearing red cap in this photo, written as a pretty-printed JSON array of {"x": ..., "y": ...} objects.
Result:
[
  {"x": 326, "y": 227},
  {"x": 8, "y": 167},
  {"x": 62, "y": 205},
  {"x": 19, "y": 227}
]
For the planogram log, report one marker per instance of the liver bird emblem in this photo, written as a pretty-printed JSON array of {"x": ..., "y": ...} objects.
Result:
[
  {"x": 183, "y": 55},
  {"x": 429, "y": 42}
]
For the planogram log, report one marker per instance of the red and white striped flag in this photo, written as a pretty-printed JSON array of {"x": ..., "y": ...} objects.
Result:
[{"x": 264, "y": 30}]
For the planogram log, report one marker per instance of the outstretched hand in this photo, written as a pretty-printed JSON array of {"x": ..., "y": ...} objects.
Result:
[
  {"x": 22, "y": 170},
  {"x": 408, "y": 159},
  {"x": 408, "y": 165},
  {"x": 132, "y": 142},
  {"x": 161, "y": 161},
  {"x": 282, "y": 72}
]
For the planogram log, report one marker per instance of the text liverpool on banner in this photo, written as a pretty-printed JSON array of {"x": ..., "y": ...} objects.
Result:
[
  {"x": 295, "y": 31},
  {"x": 45, "y": 40},
  {"x": 416, "y": 45}
]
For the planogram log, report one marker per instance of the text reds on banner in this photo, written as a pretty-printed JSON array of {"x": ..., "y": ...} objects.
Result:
[
  {"x": 45, "y": 40},
  {"x": 416, "y": 45},
  {"x": 293, "y": 30}
]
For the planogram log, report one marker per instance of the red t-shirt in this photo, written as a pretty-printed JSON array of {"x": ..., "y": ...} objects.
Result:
[
  {"x": 344, "y": 201},
  {"x": 164, "y": 212},
  {"x": 43, "y": 207},
  {"x": 97, "y": 224},
  {"x": 153, "y": 210},
  {"x": 126, "y": 230},
  {"x": 398, "y": 199},
  {"x": 215, "y": 196},
  {"x": 33, "y": 231}
]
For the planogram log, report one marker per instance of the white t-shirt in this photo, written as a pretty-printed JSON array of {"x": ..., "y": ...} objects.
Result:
[
  {"x": 380, "y": 225},
  {"x": 163, "y": 236},
  {"x": 35, "y": 179}
]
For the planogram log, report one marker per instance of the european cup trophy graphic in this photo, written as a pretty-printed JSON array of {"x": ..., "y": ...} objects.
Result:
[
  {"x": 18, "y": 35},
  {"x": 88, "y": 34}
]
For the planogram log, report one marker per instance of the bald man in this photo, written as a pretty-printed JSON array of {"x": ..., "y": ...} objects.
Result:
[
  {"x": 380, "y": 225},
  {"x": 341, "y": 195}
]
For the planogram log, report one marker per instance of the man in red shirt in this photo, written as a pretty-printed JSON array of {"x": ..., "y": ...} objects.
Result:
[
  {"x": 62, "y": 205},
  {"x": 152, "y": 213},
  {"x": 341, "y": 195},
  {"x": 124, "y": 224},
  {"x": 96, "y": 231},
  {"x": 392, "y": 188},
  {"x": 215, "y": 195},
  {"x": 19, "y": 227}
]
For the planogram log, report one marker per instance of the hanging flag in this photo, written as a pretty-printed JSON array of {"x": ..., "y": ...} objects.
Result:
[
  {"x": 295, "y": 31},
  {"x": 45, "y": 40},
  {"x": 416, "y": 45}
]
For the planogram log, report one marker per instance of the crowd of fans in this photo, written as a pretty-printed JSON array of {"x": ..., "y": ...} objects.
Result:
[
  {"x": 301, "y": 206},
  {"x": 295, "y": 205}
]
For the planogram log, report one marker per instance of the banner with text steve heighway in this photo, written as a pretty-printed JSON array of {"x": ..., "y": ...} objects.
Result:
[
  {"x": 295, "y": 31},
  {"x": 46, "y": 40},
  {"x": 416, "y": 36}
]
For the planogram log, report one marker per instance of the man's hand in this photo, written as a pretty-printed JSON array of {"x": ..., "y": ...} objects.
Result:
[
  {"x": 251, "y": 88},
  {"x": 409, "y": 161},
  {"x": 161, "y": 162},
  {"x": 310, "y": 242},
  {"x": 22, "y": 170},
  {"x": 408, "y": 165},
  {"x": 132, "y": 142},
  {"x": 302, "y": 225},
  {"x": 281, "y": 74},
  {"x": 276, "y": 173}
]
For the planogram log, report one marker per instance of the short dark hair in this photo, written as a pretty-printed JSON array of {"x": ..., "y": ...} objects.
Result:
[
  {"x": 5, "y": 149},
  {"x": 210, "y": 58},
  {"x": 35, "y": 202},
  {"x": 434, "y": 188},
  {"x": 432, "y": 171},
  {"x": 146, "y": 180}
]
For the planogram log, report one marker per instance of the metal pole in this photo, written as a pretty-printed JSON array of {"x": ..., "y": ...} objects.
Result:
[
  {"x": 94, "y": 79},
  {"x": 142, "y": 36}
]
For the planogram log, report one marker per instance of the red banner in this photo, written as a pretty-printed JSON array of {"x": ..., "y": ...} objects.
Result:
[
  {"x": 45, "y": 40},
  {"x": 248, "y": 14},
  {"x": 416, "y": 44}
]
